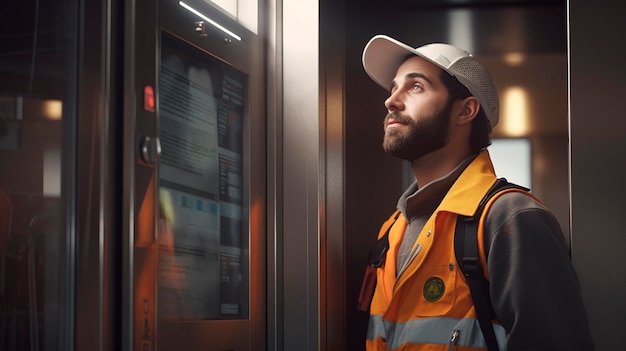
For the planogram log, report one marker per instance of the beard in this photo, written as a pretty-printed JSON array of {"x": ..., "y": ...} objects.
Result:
[{"x": 424, "y": 135}]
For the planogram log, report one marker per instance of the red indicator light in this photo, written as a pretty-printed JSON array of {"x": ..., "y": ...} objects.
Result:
[{"x": 148, "y": 98}]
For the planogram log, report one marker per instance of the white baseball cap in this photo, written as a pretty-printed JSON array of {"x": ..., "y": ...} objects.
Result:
[{"x": 383, "y": 55}]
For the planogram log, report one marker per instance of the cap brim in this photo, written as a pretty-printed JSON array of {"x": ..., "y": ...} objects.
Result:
[{"x": 382, "y": 56}]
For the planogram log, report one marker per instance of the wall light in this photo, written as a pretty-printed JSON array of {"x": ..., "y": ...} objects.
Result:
[
  {"x": 52, "y": 109},
  {"x": 201, "y": 15},
  {"x": 515, "y": 117},
  {"x": 52, "y": 171},
  {"x": 514, "y": 58}
]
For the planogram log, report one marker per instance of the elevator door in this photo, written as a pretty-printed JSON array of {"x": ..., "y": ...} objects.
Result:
[{"x": 196, "y": 259}]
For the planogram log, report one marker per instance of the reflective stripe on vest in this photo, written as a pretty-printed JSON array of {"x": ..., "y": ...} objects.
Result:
[{"x": 433, "y": 330}]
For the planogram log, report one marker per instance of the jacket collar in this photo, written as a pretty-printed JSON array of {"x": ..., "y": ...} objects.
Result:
[{"x": 465, "y": 194}]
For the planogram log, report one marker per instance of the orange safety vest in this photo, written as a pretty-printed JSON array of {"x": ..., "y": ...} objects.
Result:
[{"x": 428, "y": 306}]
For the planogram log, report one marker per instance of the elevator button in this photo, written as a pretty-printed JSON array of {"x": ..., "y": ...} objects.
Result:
[{"x": 149, "y": 149}]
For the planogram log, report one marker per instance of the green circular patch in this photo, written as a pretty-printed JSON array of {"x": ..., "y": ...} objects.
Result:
[{"x": 434, "y": 289}]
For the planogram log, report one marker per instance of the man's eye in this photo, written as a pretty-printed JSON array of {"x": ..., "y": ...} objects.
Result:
[{"x": 416, "y": 87}]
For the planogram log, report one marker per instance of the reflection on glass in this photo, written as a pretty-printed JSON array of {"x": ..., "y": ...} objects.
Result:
[
  {"x": 201, "y": 229},
  {"x": 31, "y": 244},
  {"x": 37, "y": 61}
]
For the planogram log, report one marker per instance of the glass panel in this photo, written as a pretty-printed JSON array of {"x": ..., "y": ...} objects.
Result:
[
  {"x": 203, "y": 237},
  {"x": 511, "y": 159},
  {"x": 37, "y": 42}
]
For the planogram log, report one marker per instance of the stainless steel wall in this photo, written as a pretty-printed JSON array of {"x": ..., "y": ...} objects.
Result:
[
  {"x": 598, "y": 164},
  {"x": 295, "y": 178},
  {"x": 306, "y": 236},
  {"x": 300, "y": 155}
]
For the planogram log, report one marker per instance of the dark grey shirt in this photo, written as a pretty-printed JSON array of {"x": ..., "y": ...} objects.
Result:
[{"x": 418, "y": 204}]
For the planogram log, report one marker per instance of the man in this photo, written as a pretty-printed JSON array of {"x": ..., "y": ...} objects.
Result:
[{"x": 441, "y": 109}]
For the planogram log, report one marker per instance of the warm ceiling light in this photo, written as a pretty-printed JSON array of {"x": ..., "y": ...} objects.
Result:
[{"x": 52, "y": 109}]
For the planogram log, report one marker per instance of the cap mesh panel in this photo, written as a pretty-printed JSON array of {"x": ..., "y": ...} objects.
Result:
[{"x": 474, "y": 72}]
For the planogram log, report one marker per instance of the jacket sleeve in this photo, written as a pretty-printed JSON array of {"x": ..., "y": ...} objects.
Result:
[{"x": 534, "y": 288}]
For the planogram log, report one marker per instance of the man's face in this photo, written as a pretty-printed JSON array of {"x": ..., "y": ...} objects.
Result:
[{"x": 419, "y": 111}]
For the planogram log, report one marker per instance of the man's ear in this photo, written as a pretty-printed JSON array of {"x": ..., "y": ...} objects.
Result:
[{"x": 469, "y": 110}]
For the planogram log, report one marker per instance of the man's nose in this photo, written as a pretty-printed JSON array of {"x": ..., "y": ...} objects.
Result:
[{"x": 394, "y": 102}]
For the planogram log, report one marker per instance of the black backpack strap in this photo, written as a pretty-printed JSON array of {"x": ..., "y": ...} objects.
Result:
[
  {"x": 466, "y": 251},
  {"x": 375, "y": 260}
]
